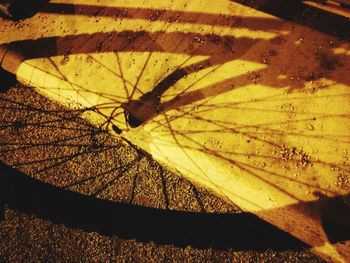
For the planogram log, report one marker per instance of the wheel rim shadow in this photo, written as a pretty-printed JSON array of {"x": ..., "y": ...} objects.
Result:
[{"x": 241, "y": 231}]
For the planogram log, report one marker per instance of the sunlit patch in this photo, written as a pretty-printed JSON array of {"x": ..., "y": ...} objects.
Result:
[
  {"x": 282, "y": 77},
  {"x": 342, "y": 51},
  {"x": 106, "y": 80}
]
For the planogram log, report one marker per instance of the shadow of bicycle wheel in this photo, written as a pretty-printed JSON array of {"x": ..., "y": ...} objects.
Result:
[{"x": 240, "y": 231}]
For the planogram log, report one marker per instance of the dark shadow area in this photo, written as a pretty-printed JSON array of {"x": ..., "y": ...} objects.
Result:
[
  {"x": 336, "y": 219},
  {"x": 242, "y": 231},
  {"x": 22, "y": 9},
  {"x": 333, "y": 212},
  {"x": 305, "y": 15},
  {"x": 8, "y": 80}
]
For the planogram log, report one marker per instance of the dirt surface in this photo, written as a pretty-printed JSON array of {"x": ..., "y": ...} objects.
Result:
[{"x": 56, "y": 146}]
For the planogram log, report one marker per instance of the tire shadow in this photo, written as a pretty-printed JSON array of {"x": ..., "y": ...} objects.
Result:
[{"x": 241, "y": 231}]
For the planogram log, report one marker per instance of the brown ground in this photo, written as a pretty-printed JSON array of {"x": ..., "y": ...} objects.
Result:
[{"x": 56, "y": 146}]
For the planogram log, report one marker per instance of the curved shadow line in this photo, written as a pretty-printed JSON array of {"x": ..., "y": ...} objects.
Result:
[{"x": 242, "y": 231}]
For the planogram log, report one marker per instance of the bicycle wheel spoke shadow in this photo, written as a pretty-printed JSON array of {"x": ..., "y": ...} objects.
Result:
[
  {"x": 55, "y": 145},
  {"x": 56, "y": 154},
  {"x": 231, "y": 99}
]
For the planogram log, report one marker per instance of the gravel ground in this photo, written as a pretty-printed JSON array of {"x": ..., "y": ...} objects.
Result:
[{"x": 54, "y": 145}]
